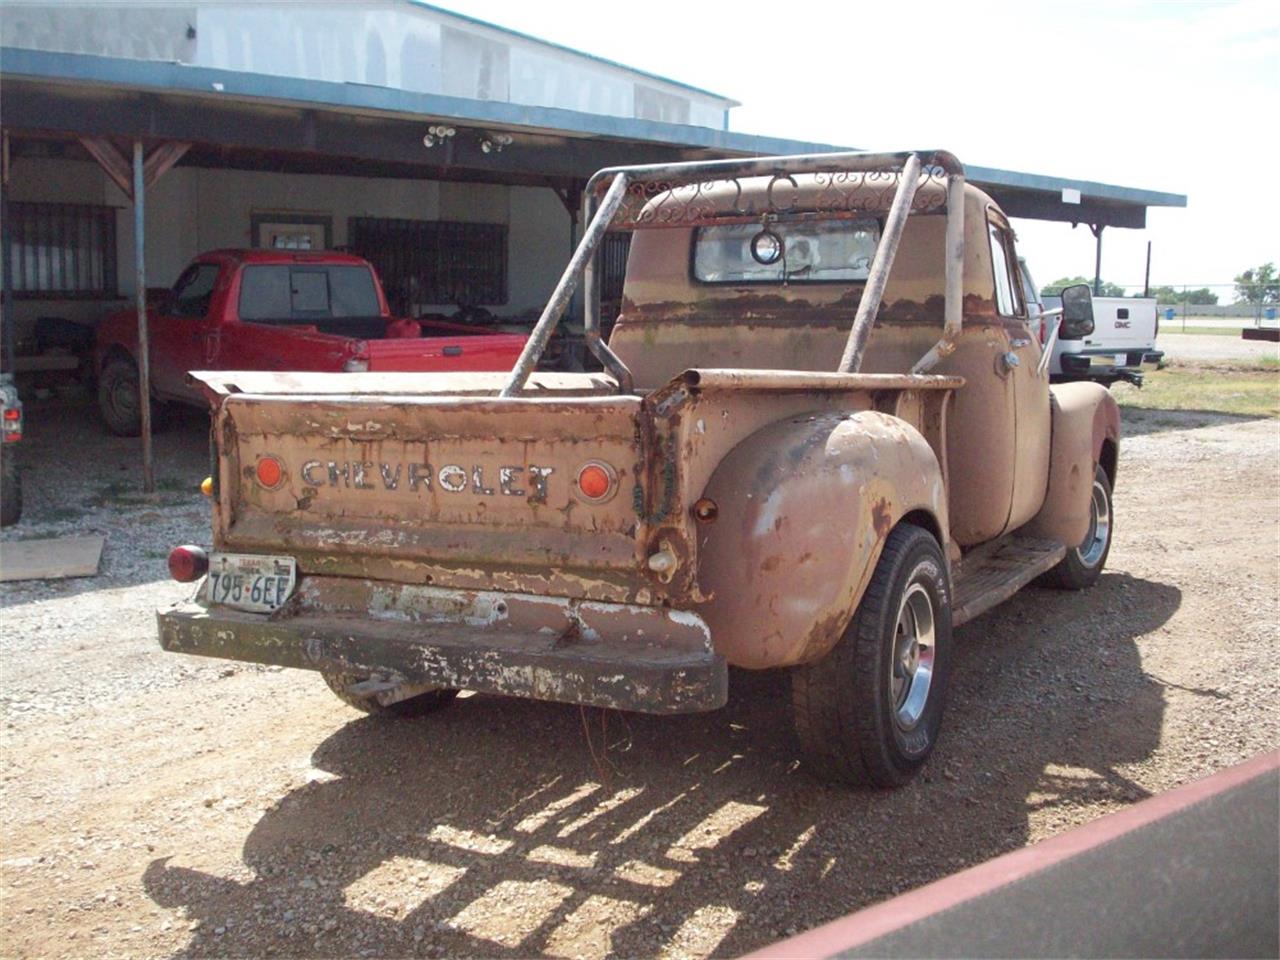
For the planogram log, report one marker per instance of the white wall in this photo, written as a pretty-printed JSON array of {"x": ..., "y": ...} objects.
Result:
[
  {"x": 538, "y": 249},
  {"x": 383, "y": 43},
  {"x": 191, "y": 210}
]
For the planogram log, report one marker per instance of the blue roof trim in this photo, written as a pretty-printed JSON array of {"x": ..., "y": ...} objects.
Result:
[
  {"x": 729, "y": 101},
  {"x": 320, "y": 94},
  {"x": 1087, "y": 188}
]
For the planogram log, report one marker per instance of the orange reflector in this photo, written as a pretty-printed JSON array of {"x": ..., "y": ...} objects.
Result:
[
  {"x": 270, "y": 472},
  {"x": 595, "y": 481},
  {"x": 206, "y": 486}
]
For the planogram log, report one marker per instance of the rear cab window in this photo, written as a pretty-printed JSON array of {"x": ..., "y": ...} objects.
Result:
[
  {"x": 194, "y": 290},
  {"x": 805, "y": 251},
  {"x": 306, "y": 293}
]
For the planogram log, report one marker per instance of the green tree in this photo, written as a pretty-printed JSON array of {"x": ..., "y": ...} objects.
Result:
[
  {"x": 1259, "y": 285},
  {"x": 1106, "y": 289},
  {"x": 1202, "y": 296}
]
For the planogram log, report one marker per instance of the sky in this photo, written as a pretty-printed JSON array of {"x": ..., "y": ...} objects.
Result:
[{"x": 1181, "y": 97}]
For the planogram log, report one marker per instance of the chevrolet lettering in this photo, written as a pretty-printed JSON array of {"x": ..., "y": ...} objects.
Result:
[{"x": 451, "y": 477}]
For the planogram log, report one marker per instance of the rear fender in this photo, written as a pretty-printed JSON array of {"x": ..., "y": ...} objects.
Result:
[
  {"x": 804, "y": 506},
  {"x": 1086, "y": 432}
]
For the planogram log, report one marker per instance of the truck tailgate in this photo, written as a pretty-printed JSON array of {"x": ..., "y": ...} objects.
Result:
[
  {"x": 485, "y": 351},
  {"x": 473, "y": 492}
]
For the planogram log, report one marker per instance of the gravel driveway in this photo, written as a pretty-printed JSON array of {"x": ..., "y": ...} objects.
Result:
[{"x": 160, "y": 805}]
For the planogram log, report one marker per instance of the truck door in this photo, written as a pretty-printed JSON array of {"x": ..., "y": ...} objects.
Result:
[
  {"x": 182, "y": 334},
  {"x": 1030, "y": 388}
]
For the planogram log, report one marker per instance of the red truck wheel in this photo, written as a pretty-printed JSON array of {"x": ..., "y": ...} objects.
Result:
[
  {"x": 118, "y": 399},
  {"x": 869, "y": 711}
]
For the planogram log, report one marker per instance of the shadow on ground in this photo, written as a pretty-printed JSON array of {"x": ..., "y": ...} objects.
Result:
[
  {"x": 1139, "y": 421},
  {"x": 702, "y": 832}
]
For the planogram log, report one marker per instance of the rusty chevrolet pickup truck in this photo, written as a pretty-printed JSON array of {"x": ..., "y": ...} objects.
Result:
[{"x": 823, "y": 437}]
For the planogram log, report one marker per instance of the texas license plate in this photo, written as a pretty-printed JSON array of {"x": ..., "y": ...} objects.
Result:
[{"x": 250, "y": 582}]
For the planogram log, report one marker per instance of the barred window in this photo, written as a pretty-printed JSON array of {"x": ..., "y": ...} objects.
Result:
[
  {"x": 62, "y": 250},
  {"x": 433, "y": 261},
  {"x": 613, "y": 271}
]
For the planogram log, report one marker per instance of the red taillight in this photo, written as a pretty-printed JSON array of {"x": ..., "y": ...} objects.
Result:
[
  {"x": 596, "y": 481},
  {"x": 13, "y": 413},
  {"x": 270, "y": 472},
  {"x": 188, "y": 563}
]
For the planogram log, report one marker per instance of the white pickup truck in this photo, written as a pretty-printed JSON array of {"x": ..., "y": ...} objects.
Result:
[{"x": 1121, "y": 347}]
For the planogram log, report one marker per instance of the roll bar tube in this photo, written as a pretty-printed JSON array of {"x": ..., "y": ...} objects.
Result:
[
  {"x": 599, "y": 212},
  {"x": 555, "y": 307},
  {"x": 953, "y": 307},
  {"x": 881, "y": 264}
]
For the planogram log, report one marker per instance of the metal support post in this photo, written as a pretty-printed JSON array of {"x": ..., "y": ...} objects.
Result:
[
  {"x": 1096, "y": 229},
  {"x": 144, "y": 338},
  {"x": 1146, "y": 278}
]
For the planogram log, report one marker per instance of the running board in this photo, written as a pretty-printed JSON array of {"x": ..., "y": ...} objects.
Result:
[{"x": 991, "y": 575}]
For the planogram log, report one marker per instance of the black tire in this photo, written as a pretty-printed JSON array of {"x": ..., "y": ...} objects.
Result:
[
  {"x": 1083, "y": 564},
  {"x": 851, "y": 714},
  {"x": 423, "y": 703},
  {"x": 10, "y": 489},
  {"x": 118, "y": 399}
]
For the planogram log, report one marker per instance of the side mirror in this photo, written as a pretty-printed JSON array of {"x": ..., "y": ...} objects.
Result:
[{"x": 1077, "y": 312}]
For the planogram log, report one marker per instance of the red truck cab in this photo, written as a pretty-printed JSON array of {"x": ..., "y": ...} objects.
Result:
[{"x": 277, "y": 310}]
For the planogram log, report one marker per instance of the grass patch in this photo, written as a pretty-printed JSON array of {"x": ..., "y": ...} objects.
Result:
[
  {"x": 1250, "y": 393},
  {"x": 1203, "y": 331},
  {"x": 1237, "y": 365}
]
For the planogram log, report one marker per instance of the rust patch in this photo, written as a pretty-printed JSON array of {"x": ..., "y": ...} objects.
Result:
[{"x": 881, "y": 519}]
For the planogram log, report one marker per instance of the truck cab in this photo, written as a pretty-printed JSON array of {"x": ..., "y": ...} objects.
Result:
[{"x": 824, "y": 437}]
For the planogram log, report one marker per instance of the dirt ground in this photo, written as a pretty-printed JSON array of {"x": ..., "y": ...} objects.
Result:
[{"x": 160, "y": 805}]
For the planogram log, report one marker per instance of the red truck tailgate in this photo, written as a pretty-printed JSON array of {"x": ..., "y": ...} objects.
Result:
[{"x": 486, "y": 351}]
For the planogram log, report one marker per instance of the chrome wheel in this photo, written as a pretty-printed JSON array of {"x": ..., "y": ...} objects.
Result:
[
  {"x": 1094, "y": 547},
  {"x": 911, "y": 669}
]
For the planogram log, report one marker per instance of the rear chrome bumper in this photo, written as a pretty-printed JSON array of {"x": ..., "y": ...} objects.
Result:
[
  {"x": 1106, "y": 365},
  {"x": 623, "y": 656}
]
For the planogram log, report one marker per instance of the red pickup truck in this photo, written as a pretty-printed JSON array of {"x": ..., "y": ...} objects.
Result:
[{"x": 276, "y": 310}]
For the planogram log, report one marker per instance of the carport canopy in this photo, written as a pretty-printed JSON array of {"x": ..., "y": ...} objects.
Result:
[
  {"x": 83, "y": 106},
  {"x": 242, "y": 120}
]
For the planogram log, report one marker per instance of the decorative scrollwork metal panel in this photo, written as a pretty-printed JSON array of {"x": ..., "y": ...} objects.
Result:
[{"x": 686, "y": 201}]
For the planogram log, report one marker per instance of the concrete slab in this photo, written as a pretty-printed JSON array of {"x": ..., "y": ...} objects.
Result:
[{"x": 50, "y": 559}]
